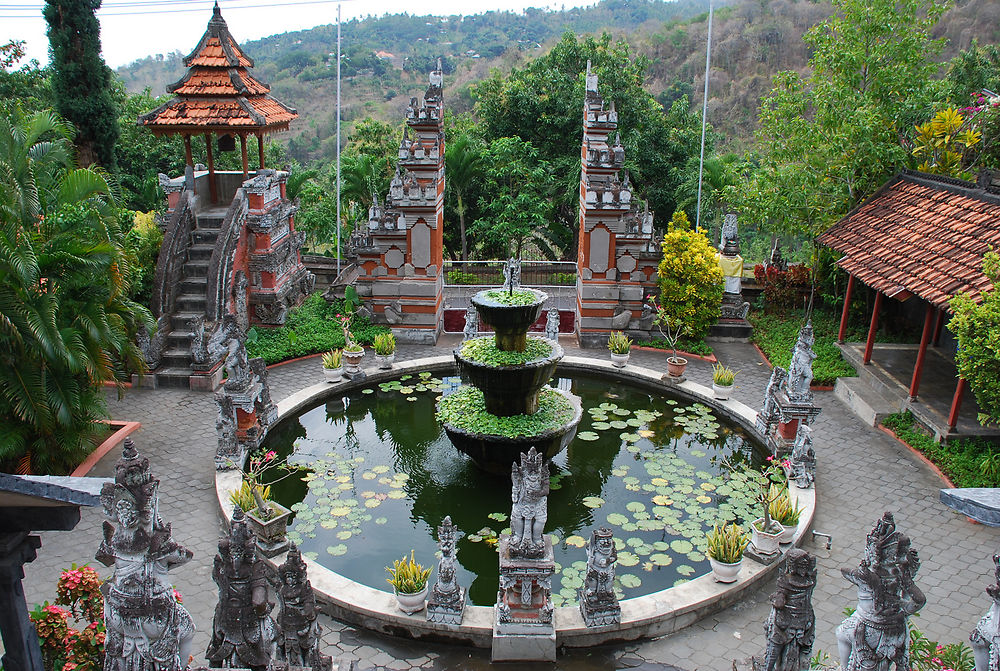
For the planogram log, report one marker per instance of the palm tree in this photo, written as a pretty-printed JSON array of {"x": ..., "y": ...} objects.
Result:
[
  {"x": 462, "y": 166},
  {"x": 67, "y": 325}
]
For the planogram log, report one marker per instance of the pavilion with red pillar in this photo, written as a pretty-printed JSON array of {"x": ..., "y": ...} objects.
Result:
[
  {"x": 218, "y": 96},
  {"x": 922, "y": 237}
]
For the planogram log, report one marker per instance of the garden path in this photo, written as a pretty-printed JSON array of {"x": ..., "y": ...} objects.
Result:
[{"x": 861, "y": 473}]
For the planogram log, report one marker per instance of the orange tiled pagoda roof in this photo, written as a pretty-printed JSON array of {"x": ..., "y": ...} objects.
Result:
[
  {"x": 218, "y": 93},
  {"x": 922, "y": 234}
]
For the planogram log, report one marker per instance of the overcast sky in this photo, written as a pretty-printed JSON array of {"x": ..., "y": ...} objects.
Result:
[{"x": 132, "y": 29}]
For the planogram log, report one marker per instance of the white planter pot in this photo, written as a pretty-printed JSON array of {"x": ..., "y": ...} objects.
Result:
[
  {"x": 411, "y": 603},
  {"x": 787, "y": 533},
  {"x": 384, "y": 361},
  {"x": 334, "y": 374},
  {"x": 619, "y": 360},
  {"x": 352, "y": 361},
  {"x": 722, "y": 392},
  {"x": 765, "y": 543},
  {"x": 725, "y": 572}
]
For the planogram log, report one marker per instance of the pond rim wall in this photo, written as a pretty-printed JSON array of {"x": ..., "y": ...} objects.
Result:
[{"x": 651, "y": 615}]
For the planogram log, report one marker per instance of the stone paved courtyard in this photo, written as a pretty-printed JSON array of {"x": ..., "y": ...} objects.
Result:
[{"x": 862, "y": 472}]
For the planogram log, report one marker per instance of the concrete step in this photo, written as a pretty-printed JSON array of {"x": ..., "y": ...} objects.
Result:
[
  {"x": 204, "y": 237},
  {"x": 184, "y": 320},
  {"x": 210, "y": 221},
  {"x": 179, "y": 339},
  {"x": 197, "y": 268},
  {"x": 176, "y": 358},
  {"x": 191, "y": 303},
  {"x": 200, "y": 252},
  {"x": 173, "y": 378},
  {"x": 864, "y": 401},
  {"x": 194, "y": 286}
]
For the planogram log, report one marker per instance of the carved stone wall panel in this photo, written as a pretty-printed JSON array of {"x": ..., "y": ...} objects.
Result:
[
  {"x": 420, "y": 245},
  {"x": 600, "y": 247},
  {"x": 394, "y": 258}
]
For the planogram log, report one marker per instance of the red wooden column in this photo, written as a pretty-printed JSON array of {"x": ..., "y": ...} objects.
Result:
[
  {"x": 956, "y": 405},
  {"x": 870, "y": 343},
  {"x": 847, "y": 308},
  {"x": 187, "y": 151},
  {"x": 213, "y": 190},
  {"x": 925, "y": 337},
  {"x": 937, "y": 327},
  {"x": 243, "y": 155},
  {"x": 260, "y": 150}
]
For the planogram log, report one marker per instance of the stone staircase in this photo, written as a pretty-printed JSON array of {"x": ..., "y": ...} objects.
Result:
[{"x": 175, "y": 365}]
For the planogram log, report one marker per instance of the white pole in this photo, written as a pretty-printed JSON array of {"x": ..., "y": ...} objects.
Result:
[
  {"x": 338, "y": 139},
  {"x": 704, "y": 111}
]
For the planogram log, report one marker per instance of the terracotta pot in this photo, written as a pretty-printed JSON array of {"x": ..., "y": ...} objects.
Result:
[
  {"x": 765, "y": 543},
  {"x": 675, "y": 367},
  {"x": 352, "y": 361},
  {"x": 411, "y": 603},
  {"x": 722, "y": 392},
  {"x": 725, "y": 572},
  {"x": 334, "y": 374},
  {"x": 384, "y": 361},
  {"x": 619, "y": 360}
]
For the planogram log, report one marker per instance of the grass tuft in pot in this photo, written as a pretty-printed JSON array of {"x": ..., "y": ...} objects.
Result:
[
  {"x": 407, "y": 576},
  {"x": 384, "y": 344},
  {"x": 726, "y": 543},
  {"x": 332, "y": 359},
  {"x": 619, "y": 343}
]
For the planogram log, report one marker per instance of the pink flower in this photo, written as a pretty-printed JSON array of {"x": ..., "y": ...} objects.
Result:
[{"x": 270, "y": 455}]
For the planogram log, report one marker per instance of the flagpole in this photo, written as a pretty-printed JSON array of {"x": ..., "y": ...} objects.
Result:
[
  {"x": 704, "y": 112},
  {"x": 338, "y": 139}
]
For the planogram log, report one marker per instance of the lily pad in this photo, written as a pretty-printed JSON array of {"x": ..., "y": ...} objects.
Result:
[
  {"x": 635, "y": 507},
  {"x": 587, "y": 436},
  {"x": 337, "y": 550},
  {"x": 593, "y": 501},
  {"x": 344, "y": 535},
  {"x": 630, "y": 581},
  {"x": 367, "y": 391},
  {"x": 576, "y": 541},
  {"x": 685, "y": 570},
  {"x": 661, "y": 559},
  {"x": 617, "y": 519},
  {"x": 499, "y": 517},
  {"x": 627, "y": 559},
  {"x": 681, "y": 546},
  {"x": 618, "y": 424},
  {"x": 601, "y": 426},
  {"x": 381, "y": 520}
]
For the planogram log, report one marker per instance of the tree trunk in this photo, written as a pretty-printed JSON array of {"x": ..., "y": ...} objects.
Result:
[{"x": 461, "y": 227}]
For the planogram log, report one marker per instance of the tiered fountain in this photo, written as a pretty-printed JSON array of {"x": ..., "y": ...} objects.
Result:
[{"x": 509, "y": 409}]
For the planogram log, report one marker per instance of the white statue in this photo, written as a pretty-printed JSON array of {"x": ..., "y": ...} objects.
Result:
[
  {"x": 800, "y": 372},
  {"x": 529, "y": 493},
  {"x": 985, "y": 637},
  {"x": 552, "y": 324}
]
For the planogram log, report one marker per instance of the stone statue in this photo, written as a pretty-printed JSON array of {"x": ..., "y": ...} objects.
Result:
[
  {"x": 598, "y": 603},
  {"x": 776, "y": 260},
  {"x": 790, "y": 629},
  {"x": 985, "y": 637},
  {"x": 243, "y": 633},
  {"x": 147, "y": 630},
  {"x": 875, "y": 636},
  {"x": 299, "y": 632},
  {"x": 800, "y": 372},
  {"x": 730, "y": 232},
  {"x": 240, "y": 298},
  {"x": 802, "y": 464},
  {"x": 228, "y": 453},
  {"x": 768, "y": 414},
  {"x": 512, "y": 274},
  {"x": 207, "y": 349},
  {"x": 530, "y": 510},
  {"x": 447, "y": 598},
  {"x": 238, "y": 373},
  {"x": 552, "y": 324},
  {"x": 471, "y": 323},
  {"x": 267, "y": 410},
  {"x": 152, "y": 346}
]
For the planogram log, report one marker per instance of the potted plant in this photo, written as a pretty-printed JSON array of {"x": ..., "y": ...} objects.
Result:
[
  {"x": 722, "y": 381},
  {"x": 385, "y": 349},
  {"x": 619, "y": 344},
  {"x": 267, "y": 519},
  {"x": 785, "y": 512},
  {"x": 725, "y": 551},
  {"x": 671, "y": 328},
  {"x": 764, "y": 531},
  {"x": 353, "y": 352},
  {"x": 409, "y": 583},
  {"x": 333, "y": 365}
]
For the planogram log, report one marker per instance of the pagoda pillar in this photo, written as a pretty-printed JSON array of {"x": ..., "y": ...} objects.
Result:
[
  {"x": 243, "y": 155},
  {"x": 260, "y": 151},
  {"x": 213, "y": 190},
  {"x": 187, "y": 151}
]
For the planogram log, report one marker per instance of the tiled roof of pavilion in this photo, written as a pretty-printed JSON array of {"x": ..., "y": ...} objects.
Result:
[
  {"x": 218, "y": 93},
  {"x": 922, "y": 234}
]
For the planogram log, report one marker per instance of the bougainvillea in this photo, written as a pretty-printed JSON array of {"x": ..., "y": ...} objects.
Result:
[
  {"x": 63, "y": 647},
  {"x": 782, "y": 287}
]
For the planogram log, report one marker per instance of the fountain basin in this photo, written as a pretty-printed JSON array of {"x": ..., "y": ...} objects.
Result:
[
  {"x": 510, "y": 390},
  {"x": 510, "y": 322},
  {"x": 495, "y": 453}
]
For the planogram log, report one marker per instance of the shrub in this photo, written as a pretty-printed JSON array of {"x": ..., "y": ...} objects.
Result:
[
  {"x": 967, "y": 461},
  {"x": 143, "y": 242},
  {"x": 63, "y": 647},
  {"x": 928, "y": 655},
  {"x": 690, "y": 277},
  {"x": 782, "y": 287},
  {"x": 977, "y": 328},
  {"x": 310, "y": 328},
  {"x": 459, "y": 277}
]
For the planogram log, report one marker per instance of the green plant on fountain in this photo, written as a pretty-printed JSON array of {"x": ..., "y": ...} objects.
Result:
[{"x": 508, "y": 408}]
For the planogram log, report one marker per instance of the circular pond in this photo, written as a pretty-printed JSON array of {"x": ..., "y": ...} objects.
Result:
[{"x": 382, "y": 475}]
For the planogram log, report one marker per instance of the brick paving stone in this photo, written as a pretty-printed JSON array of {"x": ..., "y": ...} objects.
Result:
[{"x": 861, "y": 473}]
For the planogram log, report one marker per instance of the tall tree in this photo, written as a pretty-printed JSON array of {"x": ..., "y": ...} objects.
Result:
[
  {"x": 829, "y": 139},
  {"x": 462, "y": 166},
  {"x": 81, "y": 81}
]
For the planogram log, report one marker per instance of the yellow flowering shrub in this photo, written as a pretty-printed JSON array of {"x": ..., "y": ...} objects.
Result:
[{"x": 690, "y": 277}]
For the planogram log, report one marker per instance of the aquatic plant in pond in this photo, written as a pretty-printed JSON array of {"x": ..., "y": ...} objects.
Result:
[
  {"x": 517, "y": 297},
  {"x": 465, "y": 409},
  {"x": 384, "y": 476},
  {"x": 485, "y": 351}
]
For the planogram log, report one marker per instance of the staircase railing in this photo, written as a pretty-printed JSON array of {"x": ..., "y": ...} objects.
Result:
[
  {"x": 220, "y": 267},
  {"x": 173, "y": 254}
]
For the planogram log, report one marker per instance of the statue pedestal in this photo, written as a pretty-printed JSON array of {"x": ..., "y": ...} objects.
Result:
[
  {"x": 732, "y": 325},
  {"x": 523, "y": 627},
  {"x": 791, "y": 413},
  {"x": 446, "y": 612}
]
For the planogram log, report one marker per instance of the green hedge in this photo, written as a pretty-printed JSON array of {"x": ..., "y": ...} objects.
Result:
[
  {"x": 776, "y": 334},
  {"x": 969, "y": 462},
  {"x": 692, "y": 346},
  {"x": 310, "y": 328}
]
